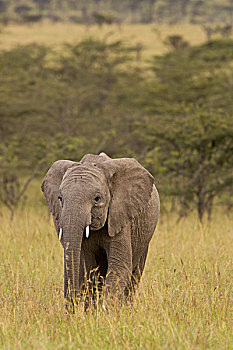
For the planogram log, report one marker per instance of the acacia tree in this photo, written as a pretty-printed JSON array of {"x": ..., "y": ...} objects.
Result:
[
  {"x": 13, "y": 183},
  {"x": 63, "y": 110},
  {"x": 195, "y": 155},
  {"x": 186, "y": 136}
]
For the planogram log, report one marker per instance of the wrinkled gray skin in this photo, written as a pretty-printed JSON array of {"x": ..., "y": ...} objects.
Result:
[{"x": 117, "y": 198}]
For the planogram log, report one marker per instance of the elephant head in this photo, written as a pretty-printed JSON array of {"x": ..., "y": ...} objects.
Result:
[{"x": 96, "y": 192}]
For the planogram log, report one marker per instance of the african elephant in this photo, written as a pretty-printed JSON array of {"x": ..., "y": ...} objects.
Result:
[{"x": 105, "y": 212}]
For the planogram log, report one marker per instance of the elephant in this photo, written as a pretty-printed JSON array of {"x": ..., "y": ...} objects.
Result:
[{"x": 105, "y": 212}]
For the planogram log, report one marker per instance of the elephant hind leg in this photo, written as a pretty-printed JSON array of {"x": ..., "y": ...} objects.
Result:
[{"x": 136, "y": 276}]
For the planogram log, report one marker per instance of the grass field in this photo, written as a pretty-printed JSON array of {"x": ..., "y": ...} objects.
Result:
[
  {"x": 55, "y": 35},
  {"x": 185, "y": 299}
]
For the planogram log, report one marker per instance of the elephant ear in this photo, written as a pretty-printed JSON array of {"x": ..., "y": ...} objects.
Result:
[
  {"x": 131, "y": 186},
  {"x": 50, "y": 187}
]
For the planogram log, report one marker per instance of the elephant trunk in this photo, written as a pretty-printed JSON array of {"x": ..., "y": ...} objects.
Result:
[{"x": 72, "y": 238}]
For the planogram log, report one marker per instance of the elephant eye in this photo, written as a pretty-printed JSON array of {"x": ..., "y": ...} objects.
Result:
[
  {"x": 60, "y": 198},
  {"x": 97, "y": 198}
]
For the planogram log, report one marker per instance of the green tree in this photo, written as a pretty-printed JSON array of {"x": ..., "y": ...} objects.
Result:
[
  {"x": 64, "y": 106},
  {"x": 187, "y": 134},
  {"x": 195, "y": 154}
]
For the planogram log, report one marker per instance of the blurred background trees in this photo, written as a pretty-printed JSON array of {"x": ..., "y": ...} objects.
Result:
[
  {"x": 175, "y": 116},
  {"x": 110, "y": 11}
]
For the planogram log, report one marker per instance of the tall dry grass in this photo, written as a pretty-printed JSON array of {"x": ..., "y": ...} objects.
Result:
[{"x": 184, "y": 301}]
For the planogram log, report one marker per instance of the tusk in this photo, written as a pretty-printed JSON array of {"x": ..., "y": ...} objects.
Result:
[
  {"x": 87, "y": 231},
  {"x": 60, "y": 234}
]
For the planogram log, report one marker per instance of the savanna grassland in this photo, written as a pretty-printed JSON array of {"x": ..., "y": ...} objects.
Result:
[{"x": 185, "y": 299}]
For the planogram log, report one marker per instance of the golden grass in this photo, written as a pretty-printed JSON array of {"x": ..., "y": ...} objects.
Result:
[
  {"x": 55, "y": 35},
  {"x": 185, "y": 299}
]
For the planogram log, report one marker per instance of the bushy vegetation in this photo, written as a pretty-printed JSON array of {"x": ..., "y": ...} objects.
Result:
[
  {"x": 174, "y": 116},
  {"x": 188, "y": 127}
]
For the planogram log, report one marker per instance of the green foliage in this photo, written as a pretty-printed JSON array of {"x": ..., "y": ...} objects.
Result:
[
  {"x": 195, "y": 154},
  {"x": 70, "y": 106},
  {"x": 189, "y": 125},
  {"x": 176, "y": 42},
  {"x": 197, "y": 76},
  {"x": 24, "y": 76}
]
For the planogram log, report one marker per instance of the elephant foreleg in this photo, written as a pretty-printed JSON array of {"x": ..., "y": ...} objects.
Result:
[
  {"x": 136, "y": 276},
  {"x": 119, "y": 265},
  {"x": 88, "y": 271}
]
